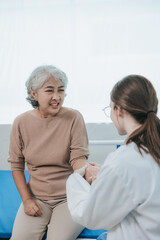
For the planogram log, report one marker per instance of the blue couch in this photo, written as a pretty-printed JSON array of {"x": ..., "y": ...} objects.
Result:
[{"x": 9, "y": 204}]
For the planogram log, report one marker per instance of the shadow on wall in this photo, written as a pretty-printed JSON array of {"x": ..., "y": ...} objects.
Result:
[
  {"x": 103, "y": 131},
  {"x": 4, "y": 146},
  {"x": 99, "y": 132}
]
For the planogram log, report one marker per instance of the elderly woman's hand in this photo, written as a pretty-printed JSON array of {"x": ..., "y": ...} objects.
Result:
[
  {"x": 32, "y": 208},
  {"x": 81, "y": 170},
  {"x": 91, "y": 172}
]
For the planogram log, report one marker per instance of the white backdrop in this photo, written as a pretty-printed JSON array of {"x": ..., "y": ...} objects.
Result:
[{"x": 96, "y": 42}]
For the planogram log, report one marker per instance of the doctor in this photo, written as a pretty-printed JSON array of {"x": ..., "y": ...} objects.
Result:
[{"x": 124, "y": 198}]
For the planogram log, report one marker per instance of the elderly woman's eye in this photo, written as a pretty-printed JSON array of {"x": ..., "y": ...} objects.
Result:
[{"x": 49, "y": 90}]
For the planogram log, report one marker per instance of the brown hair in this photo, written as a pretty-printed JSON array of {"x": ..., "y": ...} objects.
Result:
[{"x": 136, "y": 95}]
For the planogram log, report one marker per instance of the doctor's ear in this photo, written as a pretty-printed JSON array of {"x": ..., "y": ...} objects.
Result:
[
  {"x": 65, "y": 95},
  {"x": 120, "y": 111}
]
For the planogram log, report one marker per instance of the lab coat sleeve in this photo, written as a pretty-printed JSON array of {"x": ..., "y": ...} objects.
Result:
[
  {"x": 103, "y": 204},
  {"x": 77, "y": 196}
]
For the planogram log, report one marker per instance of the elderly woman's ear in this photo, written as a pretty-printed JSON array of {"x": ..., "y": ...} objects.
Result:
[{"x": 34, "y": 95}]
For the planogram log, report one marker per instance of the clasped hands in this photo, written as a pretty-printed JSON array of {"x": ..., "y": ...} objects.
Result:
[{"x": 89, "y": 171}]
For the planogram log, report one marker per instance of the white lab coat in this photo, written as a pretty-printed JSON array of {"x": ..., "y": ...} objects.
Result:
[{"x": 124, "y": 198}]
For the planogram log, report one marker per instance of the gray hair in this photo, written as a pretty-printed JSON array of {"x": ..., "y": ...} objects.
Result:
[{"x": 40, "y": 76}]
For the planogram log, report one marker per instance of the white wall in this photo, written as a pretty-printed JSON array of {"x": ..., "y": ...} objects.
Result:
[{"x": 96, "y": 42}]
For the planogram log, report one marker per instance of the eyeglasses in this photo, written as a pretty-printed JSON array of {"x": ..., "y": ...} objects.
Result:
[{"x": 107, "y": 111}]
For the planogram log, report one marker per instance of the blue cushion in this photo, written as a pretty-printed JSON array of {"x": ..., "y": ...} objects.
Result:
[
  {"x": 88, "y": 233},
  {"x": 10, "y": 201}
]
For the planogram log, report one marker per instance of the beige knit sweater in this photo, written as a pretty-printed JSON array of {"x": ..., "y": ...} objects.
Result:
[{"x": 50, "y": 147}]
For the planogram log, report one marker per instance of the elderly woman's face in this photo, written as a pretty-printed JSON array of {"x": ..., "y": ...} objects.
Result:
[{"x": 50, "y": 97}]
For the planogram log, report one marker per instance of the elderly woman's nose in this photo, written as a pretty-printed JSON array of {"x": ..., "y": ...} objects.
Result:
[{"x": 55, "y": 95}]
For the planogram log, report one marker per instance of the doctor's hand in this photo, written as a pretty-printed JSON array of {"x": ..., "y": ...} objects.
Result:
[
  {"x": 91, "y": 172},
  {"x": 32, "y": 208}
]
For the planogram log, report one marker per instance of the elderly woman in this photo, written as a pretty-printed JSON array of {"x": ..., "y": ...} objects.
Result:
[{"x": 52, "y": 141}]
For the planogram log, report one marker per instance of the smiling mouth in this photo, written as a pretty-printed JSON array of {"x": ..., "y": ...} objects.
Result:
[{"x": 54, "y": 105}]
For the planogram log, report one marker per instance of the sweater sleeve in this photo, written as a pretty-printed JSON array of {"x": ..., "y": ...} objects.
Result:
[
  {"x": 79, "y": 140},
  {"x": 102, "y": 205},
  {"x": 15, "y": 150}
]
